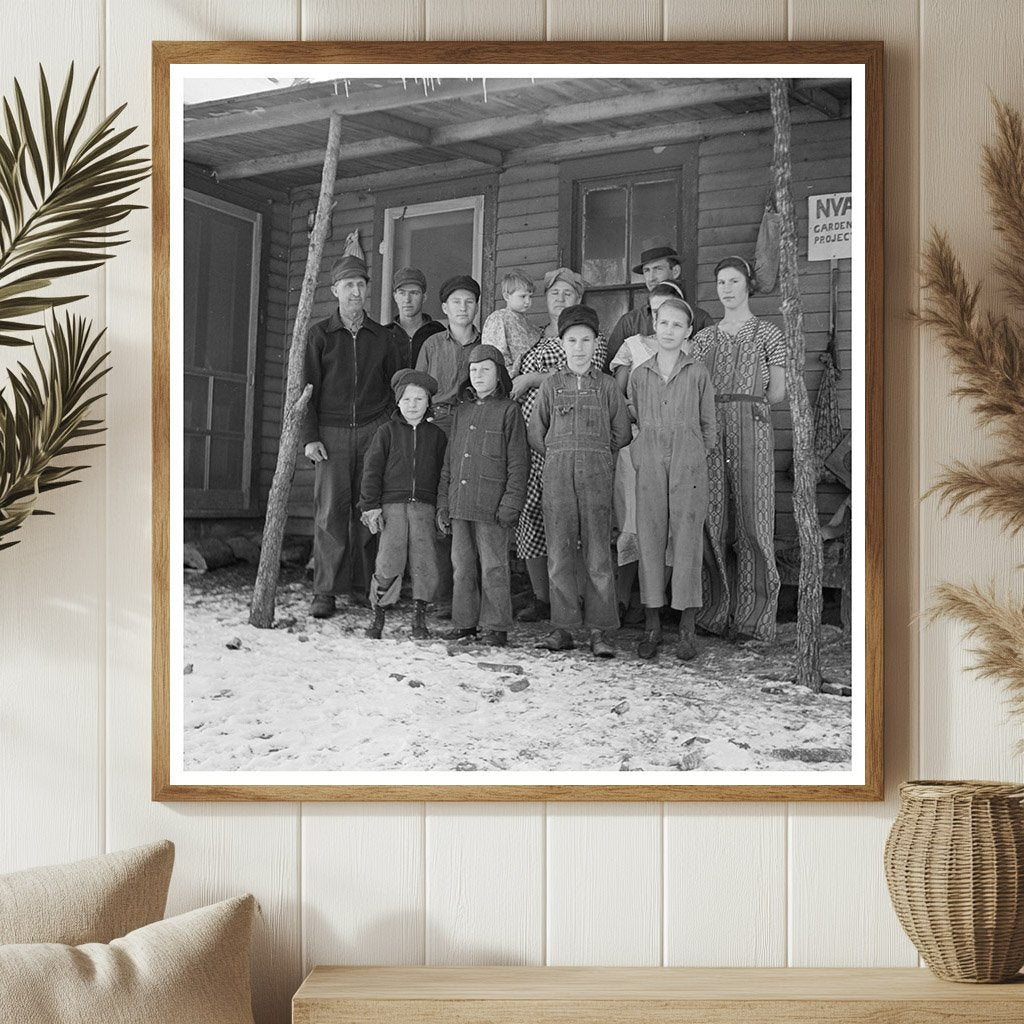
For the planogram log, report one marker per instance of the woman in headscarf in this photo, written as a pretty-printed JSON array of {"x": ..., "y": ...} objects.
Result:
[
  {"x": 746, "y": 357},
  {"x": 562, "y": 288}
]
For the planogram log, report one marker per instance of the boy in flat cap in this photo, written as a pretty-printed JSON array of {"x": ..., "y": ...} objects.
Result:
[
  {"x": 579, "y": 423},
  {"x": 445, "y": 355},
  {"x": 399, "y": 500},
  {"x": 412, "y": 326},
  {"x": 658, "y": 264},
  {"x": 350, "y": 360},
  {"x": 483, "y": 486}
]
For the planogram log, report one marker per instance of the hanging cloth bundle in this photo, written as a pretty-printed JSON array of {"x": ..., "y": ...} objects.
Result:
[
  {"x": 828, "y": 427},
  {"x": 766, "y": 251}
]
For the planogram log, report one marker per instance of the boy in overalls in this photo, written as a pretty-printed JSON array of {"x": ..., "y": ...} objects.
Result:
[{"x": 579, "y": 423}]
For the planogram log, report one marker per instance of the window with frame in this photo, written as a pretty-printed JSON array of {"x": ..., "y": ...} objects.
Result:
[{"x": 648, "y": 200}]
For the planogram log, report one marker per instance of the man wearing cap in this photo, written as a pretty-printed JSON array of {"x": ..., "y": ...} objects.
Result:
[
  {"x": 412, "y": 326},
  {"x": 445, "y": 355},
  {"x": 657, "y": 265},
  {"x": 349, "y": 362}
]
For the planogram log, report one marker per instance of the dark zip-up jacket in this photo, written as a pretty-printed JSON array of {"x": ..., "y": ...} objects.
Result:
[
  {"x": 403, "y": 463},
  {"x": 351, "y": 377},
  {"x": 410, "y": 347}
]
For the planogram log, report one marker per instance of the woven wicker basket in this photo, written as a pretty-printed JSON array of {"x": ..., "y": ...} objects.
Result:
[{"x": 954, "y": 861}]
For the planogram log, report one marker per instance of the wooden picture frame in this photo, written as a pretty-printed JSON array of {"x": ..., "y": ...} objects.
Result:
[{"x": 173, "y": 62}]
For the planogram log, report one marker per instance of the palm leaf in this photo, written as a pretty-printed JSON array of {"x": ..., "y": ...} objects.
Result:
[
  {"x": 45, "y": 419},
  {"x": 62, "y": 191}
]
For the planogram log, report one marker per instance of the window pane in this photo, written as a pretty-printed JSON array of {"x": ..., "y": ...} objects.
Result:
[
  {"x": 609, "y": 306},
  {"x": 196, "y": 391},
  {"x": 226, "y": 463},
  {"x": 604, "y": 236},
  {"x": 195, "y": 462},
  {"x": 655, "y": 218},
  {"x": 228, "y": 406}
]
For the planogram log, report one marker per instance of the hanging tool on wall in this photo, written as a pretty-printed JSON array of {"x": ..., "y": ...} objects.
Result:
[{"x": 828, "y": 427}]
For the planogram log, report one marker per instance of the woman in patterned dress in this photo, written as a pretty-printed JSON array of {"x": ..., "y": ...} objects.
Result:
[
  {"x": 562, "y": 287},
  {"x": 745, "y": 356}
]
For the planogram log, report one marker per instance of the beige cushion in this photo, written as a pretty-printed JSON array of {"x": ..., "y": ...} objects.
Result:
[
  {"x": 190, "y": 969},
  {"x": 92, "y": 900}
]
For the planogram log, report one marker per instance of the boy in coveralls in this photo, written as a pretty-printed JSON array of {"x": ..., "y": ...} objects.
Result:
[
  {"x": 579, "y": 423},
  {"x": 482, "y": 489},
  {"x": 399, "y": 498},
  {"x": 673, "y": 400}
]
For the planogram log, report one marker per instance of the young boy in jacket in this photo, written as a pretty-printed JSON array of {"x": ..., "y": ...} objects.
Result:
[
  {"x": 579, "y": 423},
  {"x": 482, "y": 490},
  {"x": 399, "y": 500}
]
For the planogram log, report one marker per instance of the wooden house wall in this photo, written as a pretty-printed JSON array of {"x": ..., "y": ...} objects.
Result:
[{"x": 734, "y": 177}]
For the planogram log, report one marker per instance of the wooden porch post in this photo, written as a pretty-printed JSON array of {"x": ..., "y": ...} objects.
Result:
[
  {"x": 805, "y": 468},
  {"x": 261, "y": 612}
]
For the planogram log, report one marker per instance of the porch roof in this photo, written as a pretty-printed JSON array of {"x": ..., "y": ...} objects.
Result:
[{"x": 414, "y": 126}]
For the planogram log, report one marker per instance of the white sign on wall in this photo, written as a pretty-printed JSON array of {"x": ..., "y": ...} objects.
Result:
[{"x": 829, "y": 226}]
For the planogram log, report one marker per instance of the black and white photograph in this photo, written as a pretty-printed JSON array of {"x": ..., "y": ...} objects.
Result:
[{"x": 518, "y": 425}]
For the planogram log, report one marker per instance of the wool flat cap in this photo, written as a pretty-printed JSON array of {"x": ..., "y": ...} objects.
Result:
[
  {"x": 481, "y": 353},
  {"x": 409, "y": 275},
  {"x": 349, "y": 266},
  {"x": 460, "y": 282},
  {"x": 661, "y": 252},
  {"x": 573, "y": 316},
  {"x": 403, "y": 378}
]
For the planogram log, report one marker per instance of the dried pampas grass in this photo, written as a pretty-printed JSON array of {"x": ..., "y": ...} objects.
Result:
[{"x": 987, "y": 354}]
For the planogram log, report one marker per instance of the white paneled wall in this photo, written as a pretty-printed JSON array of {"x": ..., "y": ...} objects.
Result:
[{"x": 740, "y": 884}]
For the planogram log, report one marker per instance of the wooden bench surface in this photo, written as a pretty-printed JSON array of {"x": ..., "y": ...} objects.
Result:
[{"x": 629, "y": 995}]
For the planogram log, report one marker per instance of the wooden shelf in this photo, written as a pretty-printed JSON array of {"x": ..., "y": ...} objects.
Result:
[{"x": 631, "y": 995}]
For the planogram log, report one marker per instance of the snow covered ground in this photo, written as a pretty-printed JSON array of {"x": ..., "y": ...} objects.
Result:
[{"x": 315, "y": 695}]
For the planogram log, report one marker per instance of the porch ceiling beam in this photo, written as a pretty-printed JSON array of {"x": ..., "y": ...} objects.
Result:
[
  {"x": 423, "y": 174},
  {"x": 308, "y": 111},
  {"x": 388, "y": 124},
  {"x": 661, "y": 135},
  {"x": 819, "y": 99},
  {"x": 630, "y": 105}
]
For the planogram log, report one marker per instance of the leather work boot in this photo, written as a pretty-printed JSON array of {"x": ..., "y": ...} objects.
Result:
[
  {"x": 419, "y": 621},
  {"x": 557, "y": 640},
  {"x": 459, "y": 634},
  {"x": 493, "y": 638},
  {"x": 376, "y": 626},
  {"x": 600, "y": 645},
  {"x": 648, "y": 647},
  {"x": 535, "y": 611},
  {"x": 322, "y": 606}
]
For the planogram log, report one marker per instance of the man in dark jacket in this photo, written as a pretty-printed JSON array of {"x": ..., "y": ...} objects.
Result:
[
  {"x": 350, "y": 360},
  {"x": 657, "y": 265},
  {"x": 480, "y": 496}
]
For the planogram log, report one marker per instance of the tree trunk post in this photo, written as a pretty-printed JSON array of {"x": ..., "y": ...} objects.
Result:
[
  {"x": 805, "y": 472},
  {"x": 261, "y": 612}
]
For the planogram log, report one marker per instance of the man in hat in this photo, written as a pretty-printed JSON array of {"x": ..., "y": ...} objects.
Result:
[
  {"x": 412, "y": 326},
  {"x": 657, "y": 265},
  {"x": 350, "y": 360},
  {"x": 445, "y": 355}
]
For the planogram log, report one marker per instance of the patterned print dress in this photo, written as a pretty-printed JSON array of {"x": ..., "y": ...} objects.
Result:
[
  {"x": 546, "y": 355},
  {"x": 741, "y": 578}
]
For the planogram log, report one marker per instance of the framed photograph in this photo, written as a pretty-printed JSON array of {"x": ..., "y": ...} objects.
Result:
[{"x": 517, "y": 418}]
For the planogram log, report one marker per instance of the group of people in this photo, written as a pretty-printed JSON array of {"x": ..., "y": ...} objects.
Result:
[{"x": 597, "y": 460}]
